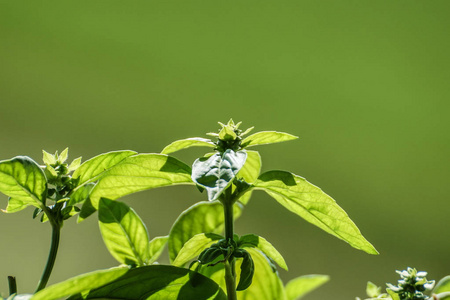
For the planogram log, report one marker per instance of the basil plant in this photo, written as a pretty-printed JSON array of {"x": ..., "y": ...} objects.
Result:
[{"x": 207, "y": 259}]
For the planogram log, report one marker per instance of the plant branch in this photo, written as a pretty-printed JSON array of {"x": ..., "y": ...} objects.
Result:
[
  {"x": 56, "y": 231},
  {"x": 12, "y": 285}
]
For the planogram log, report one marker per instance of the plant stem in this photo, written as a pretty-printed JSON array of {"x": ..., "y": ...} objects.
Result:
[
  {"x": 12, "y": 285},
  {"x": 230, "y": 273},
  {"x": 56, "y": 230},
  {"x": 230, "y": 281},
  {"x": 228, "y": 214}
]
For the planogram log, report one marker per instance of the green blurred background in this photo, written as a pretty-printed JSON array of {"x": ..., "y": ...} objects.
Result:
[{"x": 365, "y": 84}]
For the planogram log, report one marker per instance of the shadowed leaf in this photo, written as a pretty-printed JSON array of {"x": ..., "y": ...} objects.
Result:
[
  {"x": 199, "y": 218},
  {"x": 252, "y": 240},
  {"x": 123, "y": 232},
  {"x": 80, "y": 283},
  {"x": 192, "y": 248},
  {"x": 266, "y": 284},
  {"x": 157, "y": 282},
  {"x": 217, "y": 172}
]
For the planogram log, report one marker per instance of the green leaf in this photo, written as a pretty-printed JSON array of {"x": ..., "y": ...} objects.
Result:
[
  {"x": 194, "y": 247},
  {"x": 251, "y": 240},
  {"x": 266, "y": 284},
  {"x": 80, "y": 284},
  {"x": 208, "y": 255},
  {"x": 312, "y": 204},
  {"x": 49, "y": 159},
  {"x": 22, "y": 179},
  {"x": 69, "y": 211},
  {"x": 123, "y": 232},
  {"x": 138, "y": 173},
  {"x": 157, "y": 282},
  {"x": 217, "y": 172},
  {"x": 267, "y": 137},
  {"x": 63, "y": 156},
  {"x": 156, "y": 247},
  {"x": 15, "y": 205},
  {"x": 227, "y": 133},
  {"x": 187, "y": 143},
  {"x": 81, "y": 194},
  {"x": 247, "y": 272},
  {"x": 75, "y": 164},
  {"x": 372, "y": 290},
  {"x": 250, "y": 172},
  {"x": 393, "y": 294},
  {"x": 300, "y": 286},
  {"x": 93, "y": 168},
  {"x": 201, "y": 217},
  {"x": 443, "y": 285}
]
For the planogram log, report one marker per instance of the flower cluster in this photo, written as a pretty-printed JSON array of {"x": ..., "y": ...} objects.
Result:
[
  {"x": 412, "y": 285},
  {"x": 230, "y": 136}
]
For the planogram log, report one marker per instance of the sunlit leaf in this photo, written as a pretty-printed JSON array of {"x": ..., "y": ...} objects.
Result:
[
  {"x": 267, "y": 137},
  {"x": 217, "y": 172},
  {"x": 227, "y": 133},
  {"x": 157, "y": 282},
  {"x": 300, "y": 286},
  {"x": 91, "y": 169},
  {"x": 443, "y": 285},
  {"x": 138, "y": 173},
  {"x": 199, "y": 218},
  {"x": 250, "y": 172},
  {"x": 123, "y": 232},
  {"x": 252, "y": 240},
  {"x": 312, "y": 204},
  {"x": 63, "y": 156},
  {"x": 393, "y": 294},
  {"x": 75, "y": 164},
  {"x": 187, "y": 143},
  {"x": 80, "y": 284},
  {"x": 81, "y": 194},
  {"x": 372, "y": 290},
  {"x": 192, "y": 248},
  {"x": 49, "y": 159},
  {"x": 15, "y": 205},
  {"x": 156, "y": 247},
  {"x": 22, "y": 179}
]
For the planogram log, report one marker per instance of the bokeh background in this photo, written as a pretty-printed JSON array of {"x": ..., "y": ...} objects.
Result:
[{"x": 364, "y": 84}]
